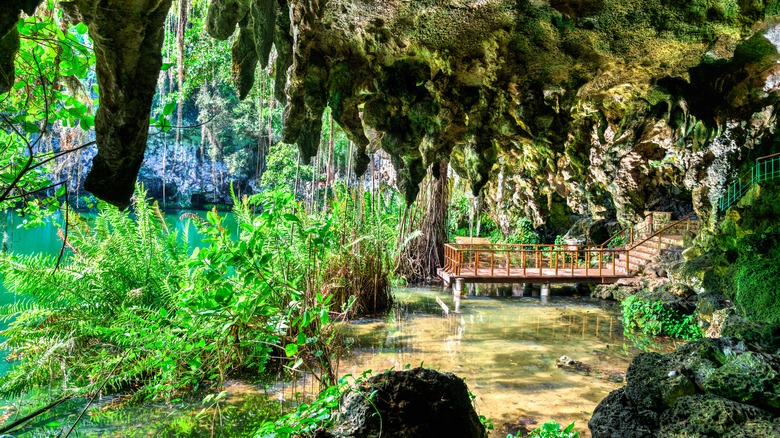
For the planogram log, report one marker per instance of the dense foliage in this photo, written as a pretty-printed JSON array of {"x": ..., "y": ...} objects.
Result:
[
  {"x": 128, "y": 310},
  {"x": 754, "y": 279},
  {"x": 652, "y": 317}
]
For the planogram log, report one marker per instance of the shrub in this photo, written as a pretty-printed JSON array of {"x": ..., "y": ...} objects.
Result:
[{"x": 652, "y": 317}]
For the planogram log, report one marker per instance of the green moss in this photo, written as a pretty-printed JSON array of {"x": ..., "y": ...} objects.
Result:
[{"x": 757, "y": 291}]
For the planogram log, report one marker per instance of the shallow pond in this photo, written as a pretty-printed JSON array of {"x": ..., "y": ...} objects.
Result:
[{"x": 507, "y": 349}]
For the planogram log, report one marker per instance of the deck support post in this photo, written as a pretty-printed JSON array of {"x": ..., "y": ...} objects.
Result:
[
  {"x": 518, "y": 289},
  {"x": 457, "y": 291},
  {"x": 457, "y": 288},
  {"x": 545, "y": 290}
]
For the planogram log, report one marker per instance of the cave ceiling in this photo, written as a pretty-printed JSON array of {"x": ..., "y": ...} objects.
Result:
[{"x": 595, "y": 101}]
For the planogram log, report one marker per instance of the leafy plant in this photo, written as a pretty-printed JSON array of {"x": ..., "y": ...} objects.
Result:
[
  {"x": 127, "y": 310},
  {"x": 550, "y": 429},
  {"x": 53, "y": 67},
  {"x": 652, "y": 317}
]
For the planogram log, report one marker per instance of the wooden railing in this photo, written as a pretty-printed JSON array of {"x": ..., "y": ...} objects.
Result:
[
  {"x": 628, "y": 237},
  {"x": 513, "y": 260},
  {"x": 688, "y": 223}
]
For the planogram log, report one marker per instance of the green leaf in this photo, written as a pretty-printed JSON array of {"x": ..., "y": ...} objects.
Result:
[
  {"x": 168, "y": 109},
  {"x": 86, "y": 122},
  {"x": 81, "y": 28},
  {"x": 30, "y": 128},
  {"x": 291, "y": 349},
  {"x": 292, "y": 218}
]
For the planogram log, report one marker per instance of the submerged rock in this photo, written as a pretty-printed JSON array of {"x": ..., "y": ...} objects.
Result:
[
  {"x": 708, "y": 387},
  {"x": 408, "y": 404}
]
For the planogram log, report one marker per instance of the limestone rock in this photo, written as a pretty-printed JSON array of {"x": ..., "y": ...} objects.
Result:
[
  {"x": 9, "y": 37},
  {"x": 707, "y": 415},
  {"x": 601, "y": 106}
]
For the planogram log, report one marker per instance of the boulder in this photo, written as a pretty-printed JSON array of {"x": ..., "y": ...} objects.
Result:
[
  {"x": 707, "y": 387},
  {"x": 707, "y": 303},
  {"x": 408, "y": 404}
]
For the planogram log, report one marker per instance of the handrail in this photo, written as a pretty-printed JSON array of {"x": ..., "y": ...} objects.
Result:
[
  {"x": 766, "y": 168},
  {"x": 660, "y": 232},
  {"x": 634, "y": 228},
  {"x": 767, "y": 156},
  {"x": 475, "y": 260},
  {"x": 622, "y": 230}
]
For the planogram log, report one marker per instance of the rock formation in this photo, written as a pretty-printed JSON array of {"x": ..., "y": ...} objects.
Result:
[
  {"x": 127, "y": 37},
  {"x": 709, "y": 387},
  {"x": 9, "y": 37},
  {"x": 601, "y": 102},
  {"x": 598, "y": 103}
]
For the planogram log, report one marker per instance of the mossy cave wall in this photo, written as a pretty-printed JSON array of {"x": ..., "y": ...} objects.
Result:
[
  {"x": 741, "y": 257},
  {"x": 609, "y": 105}
]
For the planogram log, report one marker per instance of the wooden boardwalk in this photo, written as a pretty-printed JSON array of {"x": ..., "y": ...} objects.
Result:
[
  {"x": 496, "y": 263},
  {"x": 545, "y": 264}
]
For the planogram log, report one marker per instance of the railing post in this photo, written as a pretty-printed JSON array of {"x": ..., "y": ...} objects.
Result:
[
  {"x": 508, "y": 271},
  {"x": 587, "y": 261},
  {"x": 476, "y": 262},
  {"x": 539, "y": 261},
  {"x": 614, "y": 262},
  {"x": 628, "y": 261},
  {"x": 601, "y": 262},
  {"x": 522, "y": 260},
  {"x": 492, "y": 261}
]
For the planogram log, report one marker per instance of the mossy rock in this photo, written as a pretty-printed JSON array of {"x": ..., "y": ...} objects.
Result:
[
  {"x": 648, "y": 375},
  {"x": 707, "y": 415},
  {"x": 764, "y": 337},
  {"x": 747, "y": 378},
  {"x": 755, "y": 429}
]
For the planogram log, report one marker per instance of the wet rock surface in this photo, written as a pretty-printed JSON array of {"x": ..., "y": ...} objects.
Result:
[
  {"x": 413, "y": 403},
  {"x": 708, "y": 387},
  {"x": 9, "y": 37}
]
